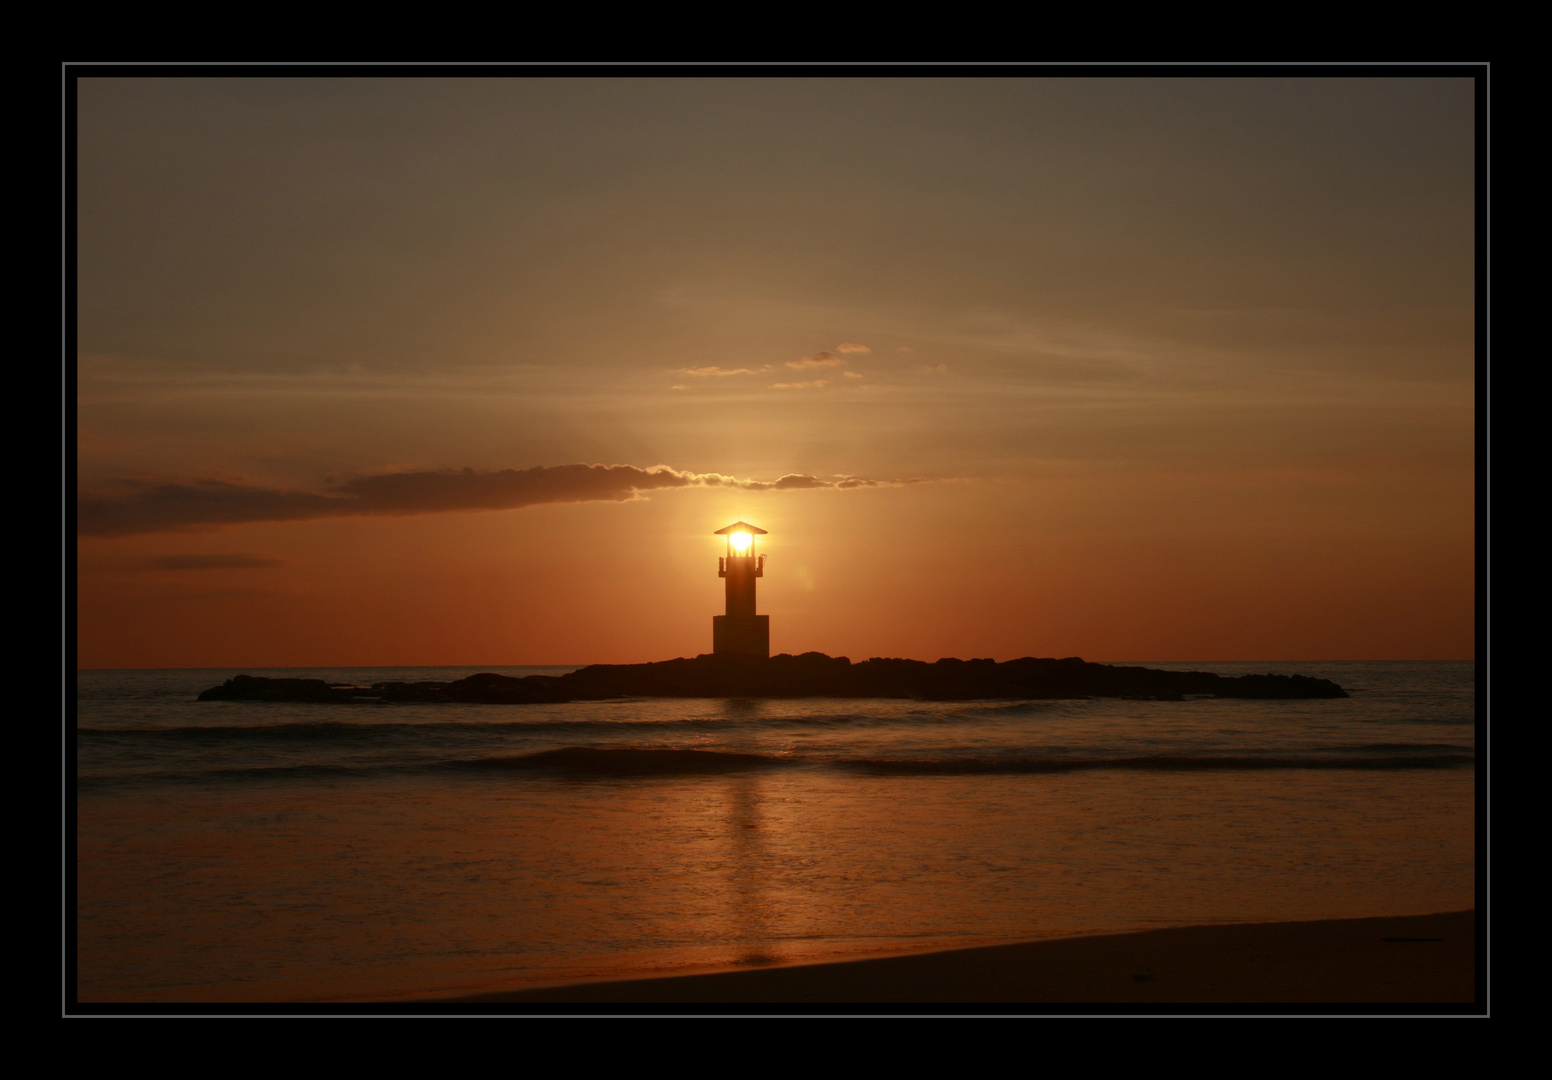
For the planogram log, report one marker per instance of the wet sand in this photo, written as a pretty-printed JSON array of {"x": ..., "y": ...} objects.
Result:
[{"x": 1404, "y": 960}]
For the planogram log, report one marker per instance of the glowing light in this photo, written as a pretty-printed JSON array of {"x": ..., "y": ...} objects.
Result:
[{"x": 741, "y": 541}]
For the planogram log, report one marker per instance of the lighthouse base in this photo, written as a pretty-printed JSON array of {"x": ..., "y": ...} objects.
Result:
[{"x": 741, "y": 635}]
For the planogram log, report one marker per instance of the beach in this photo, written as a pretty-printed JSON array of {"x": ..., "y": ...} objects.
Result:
[
  {"x": 1407, "y": 960},
  {"x": 385, "y": 854}
]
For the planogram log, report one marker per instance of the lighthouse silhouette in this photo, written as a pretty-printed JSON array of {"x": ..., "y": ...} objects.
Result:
[{"x": 740, "y": 632}]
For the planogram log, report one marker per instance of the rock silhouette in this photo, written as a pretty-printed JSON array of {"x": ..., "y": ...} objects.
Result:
[{"x": 810, "y": 675}]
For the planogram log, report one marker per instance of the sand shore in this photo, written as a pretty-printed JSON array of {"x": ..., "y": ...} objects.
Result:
[{"x": 1411, "y": 959}]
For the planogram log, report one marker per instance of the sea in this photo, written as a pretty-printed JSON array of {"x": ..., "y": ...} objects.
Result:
[{"x": 276, "y": 852}]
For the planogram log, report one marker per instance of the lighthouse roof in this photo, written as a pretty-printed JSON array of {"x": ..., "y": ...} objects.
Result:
[{"x": 737, "y": 527}]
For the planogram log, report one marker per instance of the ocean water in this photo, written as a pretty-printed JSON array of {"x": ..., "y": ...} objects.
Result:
[{"x": 245, "y": 851}]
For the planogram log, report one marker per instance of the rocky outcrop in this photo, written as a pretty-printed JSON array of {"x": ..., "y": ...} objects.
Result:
[
  {"x": 809, "y": 675},
  {"x": 258, "y": 688}
]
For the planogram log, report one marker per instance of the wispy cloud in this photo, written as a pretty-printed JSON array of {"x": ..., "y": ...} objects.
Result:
[
  {"x": 852, "y": 347},
  {"x": 818, "y": 360},
  {"x": 204, "y": 503},
  {"x": 719, "y": 372},
  {"x": 812, "y": 384}
]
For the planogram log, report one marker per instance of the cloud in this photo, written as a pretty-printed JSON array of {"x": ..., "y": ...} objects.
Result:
[
  {"x": 204, "y": 504},
  {"x": 719, "y": 372},
  {"x": 798, "y": 482},
  {"x": 818, "y": 360},
  {"x": 234, "y": 561},
  {"x": 812, "y": 383},
  {"x": 805, "y": 482},
  {"x": 852, "y": 347}
]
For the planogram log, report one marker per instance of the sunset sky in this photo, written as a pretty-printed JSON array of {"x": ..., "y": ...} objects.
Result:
[{"x": 467, "y": 371}]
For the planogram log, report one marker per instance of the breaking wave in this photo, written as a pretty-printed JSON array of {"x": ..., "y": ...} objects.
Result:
[
  {"x": 951, "y": 766},
  {"x": 626, "y": 761}
]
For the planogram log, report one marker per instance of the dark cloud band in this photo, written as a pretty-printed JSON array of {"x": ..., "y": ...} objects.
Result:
[{"x": 201, "y": 504}]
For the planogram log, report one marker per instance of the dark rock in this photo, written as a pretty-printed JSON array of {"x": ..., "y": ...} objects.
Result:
[
  {"x": 810, "y": 675},
  {"x": 251, "y": 688}
]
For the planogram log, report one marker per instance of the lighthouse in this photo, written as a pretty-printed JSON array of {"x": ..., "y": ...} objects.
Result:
[{"x": 740, "y": 632}]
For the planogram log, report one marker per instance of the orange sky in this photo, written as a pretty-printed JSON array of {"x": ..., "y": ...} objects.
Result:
[{"x": 1119, "y": 368}]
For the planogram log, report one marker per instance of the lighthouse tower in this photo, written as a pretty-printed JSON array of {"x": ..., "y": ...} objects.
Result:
[{"x": 740, "y": 632}]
